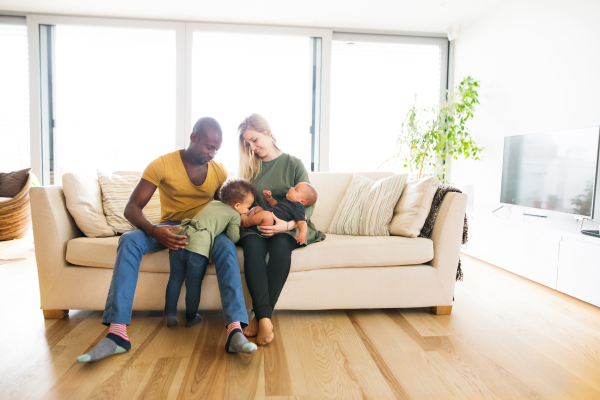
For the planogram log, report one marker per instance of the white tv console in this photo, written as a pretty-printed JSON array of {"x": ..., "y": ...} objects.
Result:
[{"x": 547, "y": 251}]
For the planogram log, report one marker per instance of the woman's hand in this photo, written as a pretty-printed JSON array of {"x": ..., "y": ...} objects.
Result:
[{"x": 280, "y": 226}]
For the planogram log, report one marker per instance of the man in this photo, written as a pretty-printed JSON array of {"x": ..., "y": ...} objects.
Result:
[{"x": 187, "y": 180}]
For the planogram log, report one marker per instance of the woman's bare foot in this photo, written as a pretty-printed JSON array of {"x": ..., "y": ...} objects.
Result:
[
  {"x": 252, "y": 329},
  {"x": 265, "y": 332}
]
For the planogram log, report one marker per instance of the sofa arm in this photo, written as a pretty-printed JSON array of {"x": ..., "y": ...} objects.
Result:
[
  {"x": 53, "y": 227},
  {"x": 447, "y": 238}
]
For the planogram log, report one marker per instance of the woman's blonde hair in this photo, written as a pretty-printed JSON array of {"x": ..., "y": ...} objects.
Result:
[{"x": 250, "y": 163}]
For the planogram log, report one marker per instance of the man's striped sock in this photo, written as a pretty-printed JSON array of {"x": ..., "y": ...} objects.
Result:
[{"x": 119, "y": 330}]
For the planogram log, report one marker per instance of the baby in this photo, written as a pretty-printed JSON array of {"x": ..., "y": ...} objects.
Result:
[
  {"x": 291, "y": 208},
  {"x": 190, "y": 264}
]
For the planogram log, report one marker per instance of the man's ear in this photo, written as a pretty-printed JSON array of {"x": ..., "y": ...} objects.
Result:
[{"x": 193, "y": 137}]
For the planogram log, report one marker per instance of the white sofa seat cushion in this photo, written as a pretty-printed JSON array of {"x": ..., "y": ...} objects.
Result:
[
  {"x": 343, "y": 251},
  {"x": 338, "y": 251},
  {"x": 102, "y": 253}
]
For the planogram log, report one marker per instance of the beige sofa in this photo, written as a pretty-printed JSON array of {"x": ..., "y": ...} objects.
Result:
[{"x": 342, "y": 272}]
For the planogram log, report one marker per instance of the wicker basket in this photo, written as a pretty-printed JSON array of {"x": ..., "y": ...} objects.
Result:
[{"x": 15, "y": 214}]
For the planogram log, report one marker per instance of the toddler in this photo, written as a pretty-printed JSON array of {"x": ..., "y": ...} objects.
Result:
[
  {"x": 190, "y": 264},
  {"x": 291, "y": 208}
]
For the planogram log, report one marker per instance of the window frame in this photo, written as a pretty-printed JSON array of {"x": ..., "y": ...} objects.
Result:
[
  {"x": 322, "y": 135},
  {"x": 35, "y": 83},
  {"x": 184, "y": 36}
]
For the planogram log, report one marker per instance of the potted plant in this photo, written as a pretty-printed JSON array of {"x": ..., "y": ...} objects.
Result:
[{"x": 431, "y": 136}]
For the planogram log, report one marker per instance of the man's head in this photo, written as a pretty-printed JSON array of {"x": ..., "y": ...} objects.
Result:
[
  {"x": 303, "y": 193},
  {"x": 205, "y": 140}
]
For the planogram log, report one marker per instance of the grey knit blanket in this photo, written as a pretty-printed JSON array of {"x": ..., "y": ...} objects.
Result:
[{"x": 427, "y": 230}]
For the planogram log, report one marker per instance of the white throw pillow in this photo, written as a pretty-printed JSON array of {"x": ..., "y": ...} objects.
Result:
[
  {"x": 84, "y": 202},
  {"x": 367, "y": 206},
  {"x": 116, "y": 190},
  {"x": 414, "y": 205}
]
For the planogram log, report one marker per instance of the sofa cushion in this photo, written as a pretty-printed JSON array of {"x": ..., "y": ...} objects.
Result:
[
  {"x": 11, "y": 183},
  {"x": 368, "y": 206},
  {"x": 331, "y": 188},
  {"x": 413, "y": 207},
  {"x": 338, "y": 251},
  {"x": 116, "y": 190},
  {"x": 84, "y": 202}
]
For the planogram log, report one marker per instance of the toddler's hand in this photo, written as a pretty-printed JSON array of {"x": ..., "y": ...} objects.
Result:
[
  {"x": 300, "y": 238},
  {"x": 267, "y": 194}
]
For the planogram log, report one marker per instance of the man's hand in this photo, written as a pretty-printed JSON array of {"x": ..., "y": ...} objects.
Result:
[
  {"x": 267, "y": 194},
  {"x": 301, "y": 238},
  {"x": 171, "y": 241}
]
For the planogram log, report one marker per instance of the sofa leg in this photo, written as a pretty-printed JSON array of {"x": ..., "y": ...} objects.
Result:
[
  {"x": 441, "y": 310},
  {"x": 55, "y": 314}
]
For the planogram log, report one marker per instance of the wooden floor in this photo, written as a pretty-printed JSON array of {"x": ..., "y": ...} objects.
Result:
[{"x": 507, "y": 338}]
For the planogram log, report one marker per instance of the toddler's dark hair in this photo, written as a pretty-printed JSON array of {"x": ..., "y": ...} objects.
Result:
[{"x": 236, "y": 190}]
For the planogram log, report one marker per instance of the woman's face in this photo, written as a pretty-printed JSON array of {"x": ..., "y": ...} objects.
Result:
[{"x": 259, "y": 143}]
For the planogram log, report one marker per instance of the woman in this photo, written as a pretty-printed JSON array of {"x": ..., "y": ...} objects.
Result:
[{"x": 268, "y": 168}]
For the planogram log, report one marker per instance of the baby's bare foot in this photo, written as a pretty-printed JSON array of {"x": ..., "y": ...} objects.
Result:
[
  {"x": 265, "y": 332},
  {"x": 252, "y": 329}
]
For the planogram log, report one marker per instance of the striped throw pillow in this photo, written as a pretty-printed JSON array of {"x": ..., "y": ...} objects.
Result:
[
  {"x": 116, "y": 190},
  {"x": 368, "y": 206}
]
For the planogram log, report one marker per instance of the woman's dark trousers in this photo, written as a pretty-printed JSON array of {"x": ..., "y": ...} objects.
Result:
[{"x": 265, "y": 280}]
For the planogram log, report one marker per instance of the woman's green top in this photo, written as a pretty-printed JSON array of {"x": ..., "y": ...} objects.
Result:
[{"x": 278, "y": 176}]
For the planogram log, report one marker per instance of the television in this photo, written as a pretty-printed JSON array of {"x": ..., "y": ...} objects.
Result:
[{"x": 555, "y": 171}]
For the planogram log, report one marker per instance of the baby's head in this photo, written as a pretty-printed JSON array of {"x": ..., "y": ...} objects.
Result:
[
  {"x": 304, "y": 193},
  {"x": 238, "y": 194}
]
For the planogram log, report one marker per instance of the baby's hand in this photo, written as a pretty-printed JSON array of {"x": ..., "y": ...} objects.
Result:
[
  {"x": 267, "y": 194},
  {"x": 300, "y": 238}
]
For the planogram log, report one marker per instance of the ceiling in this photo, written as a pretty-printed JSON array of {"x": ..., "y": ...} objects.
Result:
[{"x": 431, "y": 17}]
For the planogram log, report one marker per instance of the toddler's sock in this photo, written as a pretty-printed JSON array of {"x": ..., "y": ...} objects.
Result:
[
  {"x": 236, "y": 341},
  {"x": 116, "y": 342},
  {"x": 194, "y": 322},
  {"x": 171, "y": 321}
]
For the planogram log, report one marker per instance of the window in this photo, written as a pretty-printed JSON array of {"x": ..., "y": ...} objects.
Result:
[
  {"x": 14, "y": 96},
  {"x": 373, "y": 86},
  {"x": 237, "y": 74},
  {"x": 114, "y": 94},
  {"x": 114, "y": 97}
]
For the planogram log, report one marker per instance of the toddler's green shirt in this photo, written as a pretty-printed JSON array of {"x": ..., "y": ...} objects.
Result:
[{"x": 211, "y": 221}]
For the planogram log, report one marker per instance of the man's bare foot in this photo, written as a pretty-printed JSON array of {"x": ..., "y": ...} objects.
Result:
[
  {"x": 252, "y": 329},
  {"x": 265, "y": 332}
]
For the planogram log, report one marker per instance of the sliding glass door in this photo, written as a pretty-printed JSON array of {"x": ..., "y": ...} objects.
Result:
[
  {"x": 108, "y": 95},
  {"x": 14, "y": 95},
  {"x": 375, "y": 80},
  {"x": 114, "y": 94},
  {"x": 235, "y": 74}
]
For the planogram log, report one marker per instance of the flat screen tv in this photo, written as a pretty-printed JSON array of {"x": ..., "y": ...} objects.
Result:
[{"x": 552, "y": 171}]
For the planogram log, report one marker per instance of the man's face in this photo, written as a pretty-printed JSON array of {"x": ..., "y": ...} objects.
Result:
[{"x": 204, "y": 148}]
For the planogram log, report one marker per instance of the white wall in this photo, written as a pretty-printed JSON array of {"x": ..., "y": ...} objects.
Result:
[{"x": 539, "y": 66}]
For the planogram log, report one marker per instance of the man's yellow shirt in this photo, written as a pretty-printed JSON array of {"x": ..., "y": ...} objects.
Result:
[{"x": 179, "y": 197}]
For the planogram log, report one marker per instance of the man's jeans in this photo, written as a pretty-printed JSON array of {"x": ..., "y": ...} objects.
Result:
[{"x": 135, "y": 243}]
